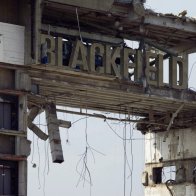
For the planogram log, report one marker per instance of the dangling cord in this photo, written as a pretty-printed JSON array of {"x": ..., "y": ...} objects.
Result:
[{"x": 78, "y": 24}]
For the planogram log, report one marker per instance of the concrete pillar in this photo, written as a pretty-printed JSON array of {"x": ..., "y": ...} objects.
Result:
[
  {"x": 22, "y": 178},
  {"x": 15, "y": 147},
  {"x": 54, "y": 134},
  {"x": 37, "y": 27},
  {"x": 22, "y": 147},
  {"x": 170, "y": 163}
]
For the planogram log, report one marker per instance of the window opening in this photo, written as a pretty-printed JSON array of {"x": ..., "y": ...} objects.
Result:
[
  {"x": 8, "y": 112},
  {"x": 8, "y": 178}
]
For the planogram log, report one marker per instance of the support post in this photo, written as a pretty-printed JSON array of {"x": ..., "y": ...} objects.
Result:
[
  {"x": 54, "y": 134},
  {"x": 14, "y": 145},
  {"x": 37, "y": 30}
]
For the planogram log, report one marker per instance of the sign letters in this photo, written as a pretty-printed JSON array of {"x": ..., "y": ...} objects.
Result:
[{"x": 124, "y": 63}]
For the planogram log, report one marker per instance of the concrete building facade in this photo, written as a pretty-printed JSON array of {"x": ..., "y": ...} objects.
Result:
[{"x": 72, "y": 53}]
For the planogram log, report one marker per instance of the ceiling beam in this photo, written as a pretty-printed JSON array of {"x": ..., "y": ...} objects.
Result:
[
  {"x": 85, "y": 35},
  {"x": 173, "y": 23},
  {"x": 89, "y": 4}
]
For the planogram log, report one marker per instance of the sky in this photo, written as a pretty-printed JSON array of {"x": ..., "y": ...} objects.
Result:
[{"x": 106, "y": 154}]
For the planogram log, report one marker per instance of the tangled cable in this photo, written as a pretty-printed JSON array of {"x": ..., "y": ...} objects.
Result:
[{"x": 169, "y": 182}]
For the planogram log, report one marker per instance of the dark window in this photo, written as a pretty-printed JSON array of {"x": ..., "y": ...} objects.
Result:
[
  {"x": 5, "y": 113},
  {"x": 7, "y": 144},
  {"x": 163, "y": 174},
  {"x": 8, "y": 178},
  {"x": 9, "y": 113},
  {"x": 157, "y": 175},
  {"x": 9, "y": 11}
]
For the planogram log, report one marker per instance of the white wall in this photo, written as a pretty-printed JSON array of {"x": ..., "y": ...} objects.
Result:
[
  {"x": 11, "y": 44},
  {"x": 185, "y": 189},
  {"x": 172, "y": 145}
]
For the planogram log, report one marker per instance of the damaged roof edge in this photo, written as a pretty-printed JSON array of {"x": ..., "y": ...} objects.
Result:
[
  {"x": 89, "y": 4},
  {"x": 130, "y": 1},
  {"x": 94, "y": 4}
]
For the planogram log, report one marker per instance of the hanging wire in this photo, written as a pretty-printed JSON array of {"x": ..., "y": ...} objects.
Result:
[
  {"x": 126, "y": 160},
  {"x": 131, "y": 148},
  {"x": 67, "y": 130},
  {"x": 116, "y": 132},
  {"x": 45, "y": 165},
  {"x": 33, "y": 150},
  {"x": 167, "y": 185},
  {"x": 38, "y": 150},
  {"x": 84, "y": 159},
  {"x": 38, "y": 175},
  {"x": 191, "y": 70},
  {"x": 84, "y": 173},
  {"x": 125, "y": 157},
  {"x": 80, "y": 119},
  {"x": 78, "y": 24},
  {"x": 48, "y": 158}
]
